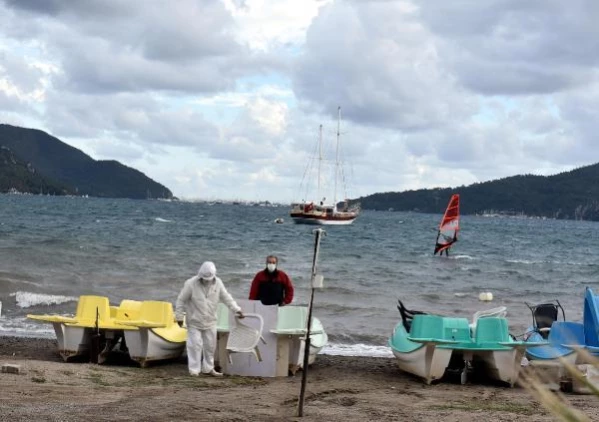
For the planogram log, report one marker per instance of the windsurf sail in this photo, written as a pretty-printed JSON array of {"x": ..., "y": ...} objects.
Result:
[{"x": 450, "y": 225}]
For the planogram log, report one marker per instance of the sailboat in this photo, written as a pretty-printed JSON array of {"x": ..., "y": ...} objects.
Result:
[
  {"x": 449, "y": 227},
  {"x": 320, "y": 212}
]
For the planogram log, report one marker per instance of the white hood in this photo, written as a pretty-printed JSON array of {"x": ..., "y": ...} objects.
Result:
[{"x": 200, "y": 296}]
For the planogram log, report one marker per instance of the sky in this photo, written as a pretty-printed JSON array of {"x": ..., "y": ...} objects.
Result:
[{"x": 223, "y": 99}]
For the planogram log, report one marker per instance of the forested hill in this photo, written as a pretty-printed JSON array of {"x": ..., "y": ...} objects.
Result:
[
  {"x": 71, "y": 169},
  {"x": 568, "y": 195},
  {"x": 18, "y": 176}
]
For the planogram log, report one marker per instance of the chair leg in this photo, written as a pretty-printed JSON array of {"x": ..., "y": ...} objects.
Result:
[
  {"x": 258, "y": 355},
  {"x": 230, "y": 358}
]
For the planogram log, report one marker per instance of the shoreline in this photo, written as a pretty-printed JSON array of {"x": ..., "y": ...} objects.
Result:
[{"x": 340, "y": 388}]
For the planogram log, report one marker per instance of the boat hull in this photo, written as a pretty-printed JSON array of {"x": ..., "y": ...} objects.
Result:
[
  {"x": 298, "y": 345},
  {"x": 322, "y": 221},
  {"x": 426, "y": 362},
  {"x": 429, "y": 358},
  {"x": 310, "y": 213},
  {"x": 500, "y": 365},
  {"x": 146, "y": 346},
  {"x": 72, "y": 342}
]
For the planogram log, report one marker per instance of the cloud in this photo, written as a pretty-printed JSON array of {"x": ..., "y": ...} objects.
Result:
[
  {"x": 225, "y": 98},
  {"x": 141, "y": 119},
  {"x": 379, "y": 63},
  {"x": 116, "y": 46},
  {"x": 516, "y": 48},
  {"x": 279, "y": 25}
]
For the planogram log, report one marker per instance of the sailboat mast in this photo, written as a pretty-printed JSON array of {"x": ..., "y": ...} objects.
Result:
[
  {"x": 337, "y": 156},
  {"x": 319, "y": 162}
]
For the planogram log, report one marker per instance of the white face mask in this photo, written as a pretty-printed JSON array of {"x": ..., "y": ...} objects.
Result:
[{"x": 271, "y": 267}]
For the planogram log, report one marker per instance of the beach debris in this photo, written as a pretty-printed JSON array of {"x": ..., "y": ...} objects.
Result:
[
  {"x": 583, "y": 379},
  {"x": 548, "y": 373},
  {"x": 10, "y": 368},
  {"x": 485, "y": 296}
]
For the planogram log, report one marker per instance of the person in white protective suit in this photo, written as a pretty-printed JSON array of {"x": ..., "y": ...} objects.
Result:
[{"x": 198, "y": 301}]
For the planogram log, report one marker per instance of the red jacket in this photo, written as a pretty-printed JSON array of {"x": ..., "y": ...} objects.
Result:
[{"x": 272, "y": 288}]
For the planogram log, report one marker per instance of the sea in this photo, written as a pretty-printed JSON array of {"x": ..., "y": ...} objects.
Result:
[{"x": 53, "y": 249}]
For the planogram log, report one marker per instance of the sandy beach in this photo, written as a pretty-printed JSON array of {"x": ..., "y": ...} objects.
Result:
[{"x": 339, "y": 389}]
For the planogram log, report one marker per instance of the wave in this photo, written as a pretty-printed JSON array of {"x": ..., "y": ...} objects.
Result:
[
  {"x": 22, "y": 327},
  {"x": 29, "y": 299},
  {"x": 463, "y": 257},
  {"x": 357, "y": 350},
  {"x": 367, "y": 338},
  {"x": 526, "y": 261},
  {"x": 9, "y": 282},
  {"x": 162, "y": 220},
  {"x": 539, "y": 262},
  {"x": 337, "y": 309}
]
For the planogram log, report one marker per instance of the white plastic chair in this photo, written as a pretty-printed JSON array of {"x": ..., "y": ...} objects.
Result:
[
  {"x": 244, "y": 339},
  {"x": 499, "y": 312}
]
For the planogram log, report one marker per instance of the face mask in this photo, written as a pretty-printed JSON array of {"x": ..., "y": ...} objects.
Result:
[{"x": 271, "y": 267}]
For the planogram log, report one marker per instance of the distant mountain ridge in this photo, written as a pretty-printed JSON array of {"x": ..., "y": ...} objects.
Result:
[
  {"x": 15, "y": 175},
  {"x": 568, "y": 195},
  {"x": 76, "y": 172}
]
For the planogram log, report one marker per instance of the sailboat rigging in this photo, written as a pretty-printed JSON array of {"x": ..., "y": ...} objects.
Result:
[
  {"x": 321, "y": 212},
  {"x": 449, "y": 227}
]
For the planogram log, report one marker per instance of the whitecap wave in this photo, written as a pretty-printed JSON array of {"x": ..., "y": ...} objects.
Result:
[
  {"x": 463, "y": 257},
  {"x": 163, "y": 220},
  {"x": 460, "y": 294},
  {"x": 357, "y": 350},
  {"x": 28, "y": 299},
  {"x": 22, "y": 327},
  {"x": 529, "y": 262}
]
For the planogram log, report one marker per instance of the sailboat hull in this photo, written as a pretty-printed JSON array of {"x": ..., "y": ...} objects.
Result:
[{"x": 322, "y": 221}]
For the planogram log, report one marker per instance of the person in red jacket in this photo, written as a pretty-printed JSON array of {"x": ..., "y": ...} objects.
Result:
[{"x": 272, "y": 286}]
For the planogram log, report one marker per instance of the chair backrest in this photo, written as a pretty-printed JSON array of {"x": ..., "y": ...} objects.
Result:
[
  {"x": 492, "y": 330},
  {"x": 499, "y": 312},
  {"x": 407, "y": 315},
  {"x": 292, "y": 317},
  {"x": 242, "y": 337},
  {"x": 222, "y": 317},
  {"x": 456, "y": 329},
  {"x": 544, "y": 315},
  {"x": 157, "y": 311},
  {"x": 566, "y": 332},
  {"x": 427, "y": 326},
  {"x": 128, "y": 310},
  {"x": 87, "y": 306},
  {"x": 590, "y": 318}
]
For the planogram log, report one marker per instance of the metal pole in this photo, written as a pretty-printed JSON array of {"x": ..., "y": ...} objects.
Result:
[
  {"x": 337, "y": 156},
  {"x": 300, "y": 406},
  {"x": 95, "y": 346},
  {"x": 319, "y": 162}
]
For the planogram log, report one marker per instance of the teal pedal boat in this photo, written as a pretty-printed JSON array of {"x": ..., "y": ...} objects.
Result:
[{"x": 428, "y": 346}]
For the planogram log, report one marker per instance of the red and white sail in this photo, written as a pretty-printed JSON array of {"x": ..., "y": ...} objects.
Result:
[{"x": 450, "y": 225}]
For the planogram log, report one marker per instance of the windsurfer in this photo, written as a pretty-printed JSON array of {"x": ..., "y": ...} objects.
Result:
[{"x": 449, "y": 227}]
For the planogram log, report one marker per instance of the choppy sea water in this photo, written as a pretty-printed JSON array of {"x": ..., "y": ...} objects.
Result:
[{"x": 53, "y": 249}]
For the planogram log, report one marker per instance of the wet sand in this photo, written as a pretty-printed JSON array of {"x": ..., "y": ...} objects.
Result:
[{"x": 339, "y": 389}]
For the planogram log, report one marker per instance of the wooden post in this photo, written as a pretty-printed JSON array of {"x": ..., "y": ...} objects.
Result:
[{"x": 300, "y": 406}]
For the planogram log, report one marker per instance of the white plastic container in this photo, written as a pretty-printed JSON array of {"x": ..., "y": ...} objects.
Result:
[{"x": 485, "y": 296}]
